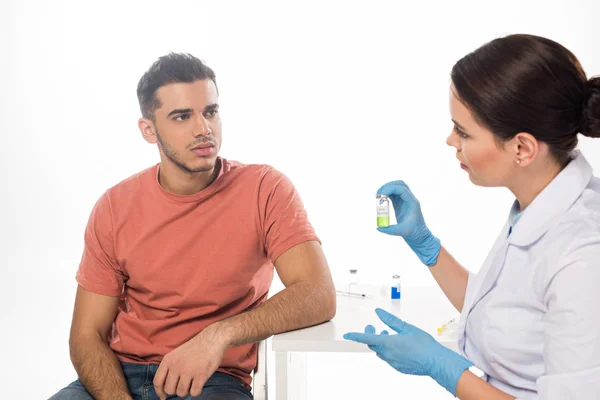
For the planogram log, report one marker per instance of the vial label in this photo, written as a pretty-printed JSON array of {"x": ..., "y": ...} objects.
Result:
[
  {"x": 383, "y": 210},
  {"x": 396, "y": 293}
]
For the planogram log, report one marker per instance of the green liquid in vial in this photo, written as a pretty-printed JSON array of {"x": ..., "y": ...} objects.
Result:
[{"x": 383, "y": 221}]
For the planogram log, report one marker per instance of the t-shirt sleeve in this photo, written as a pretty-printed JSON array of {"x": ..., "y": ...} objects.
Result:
[
  {"x": 283, "y": 218},
  {"x": 99, "y": 271}
]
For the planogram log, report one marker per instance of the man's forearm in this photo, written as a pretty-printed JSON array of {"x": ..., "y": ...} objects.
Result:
[
  {"x": 452, "y": 278},
  {"x": 98, "y": 368},
  {"x": 297, "y": 306}
]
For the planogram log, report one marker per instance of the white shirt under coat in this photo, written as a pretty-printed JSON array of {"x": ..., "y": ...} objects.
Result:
[{"x": 531, "y": 317}]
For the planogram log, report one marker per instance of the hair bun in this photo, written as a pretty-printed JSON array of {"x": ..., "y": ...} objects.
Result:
[{"x": 590, "y": 124}]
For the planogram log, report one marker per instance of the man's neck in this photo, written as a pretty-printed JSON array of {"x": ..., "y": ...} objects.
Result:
[{"x": 179, "y": 182}]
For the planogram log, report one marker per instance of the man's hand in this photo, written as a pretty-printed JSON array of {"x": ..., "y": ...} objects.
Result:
[{"x": 186, "y": 369}]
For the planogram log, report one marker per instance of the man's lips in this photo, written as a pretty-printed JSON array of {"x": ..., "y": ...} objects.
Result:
[{"x": 204, "y": 146}]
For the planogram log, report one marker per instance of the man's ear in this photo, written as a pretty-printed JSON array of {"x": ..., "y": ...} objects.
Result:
[
  {"x": 526, "y": 148},
  {"x": 148, "y": 130}
]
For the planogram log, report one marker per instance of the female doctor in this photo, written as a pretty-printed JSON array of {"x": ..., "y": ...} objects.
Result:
[{"x": 530, "y": 318}]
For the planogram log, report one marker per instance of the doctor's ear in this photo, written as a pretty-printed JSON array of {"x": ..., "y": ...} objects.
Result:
[
  {"x": 148, "y": 130},
  {"x": 525, "y": 148}
]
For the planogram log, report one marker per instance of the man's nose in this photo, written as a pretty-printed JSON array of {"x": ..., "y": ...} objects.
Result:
[{"x": 202, "y": 127}]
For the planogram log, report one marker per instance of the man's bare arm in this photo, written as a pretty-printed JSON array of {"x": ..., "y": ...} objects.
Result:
[
  {"x": 308, "y": 299},
  {"x": 97, "y": 366}
]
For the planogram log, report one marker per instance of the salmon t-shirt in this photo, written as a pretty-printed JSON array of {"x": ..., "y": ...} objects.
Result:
[{"x": 179, "y": 263}]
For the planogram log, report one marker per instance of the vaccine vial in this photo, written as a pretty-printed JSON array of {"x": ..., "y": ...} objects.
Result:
[
  {"x": 353, "y": 281},
  {"x": 383, "y": 210},
  {"x": 452, "y": 327},
  {"x": 396, "y": 290}
]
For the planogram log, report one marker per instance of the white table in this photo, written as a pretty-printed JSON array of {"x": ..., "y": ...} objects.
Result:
[{"x": 425, "y": 307}]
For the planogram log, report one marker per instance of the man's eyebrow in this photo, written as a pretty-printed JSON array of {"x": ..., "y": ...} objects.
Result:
[
  {"x": 180, "y": 111},
  {"x": 214, "y": 106}
]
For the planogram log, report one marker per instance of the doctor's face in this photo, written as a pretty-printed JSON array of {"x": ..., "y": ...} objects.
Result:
[{"x": 479, "y": 152}]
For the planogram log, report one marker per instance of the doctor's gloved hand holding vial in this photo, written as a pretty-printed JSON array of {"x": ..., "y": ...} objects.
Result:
[{"x": 529, "y": 317}]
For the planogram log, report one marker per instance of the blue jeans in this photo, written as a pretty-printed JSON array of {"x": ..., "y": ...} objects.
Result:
[{"x": 139, "y": 378}]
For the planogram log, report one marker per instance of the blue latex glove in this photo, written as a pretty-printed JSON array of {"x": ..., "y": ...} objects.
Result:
[
  {"x": 413, "y": 351},
  {"x": 410, "y": 222}
]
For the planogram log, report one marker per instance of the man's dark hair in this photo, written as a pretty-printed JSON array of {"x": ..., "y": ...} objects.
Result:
[{"x": 172, "y": 68}]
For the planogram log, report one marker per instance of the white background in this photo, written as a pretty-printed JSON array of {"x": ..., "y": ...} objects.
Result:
[{"x": 341, "y": 97}]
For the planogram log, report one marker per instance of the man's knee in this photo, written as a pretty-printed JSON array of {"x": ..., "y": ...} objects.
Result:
[
  {"x": 233, "y": 395},
  {"x": 72, "y": 392}
]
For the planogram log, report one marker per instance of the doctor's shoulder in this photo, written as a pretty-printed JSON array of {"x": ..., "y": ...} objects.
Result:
[{"x": 574, "y": 242}]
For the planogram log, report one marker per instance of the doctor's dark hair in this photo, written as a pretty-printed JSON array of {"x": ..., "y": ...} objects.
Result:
[
  {"x": 172, "y": 68},
  {"x": 526, "y": 83}
]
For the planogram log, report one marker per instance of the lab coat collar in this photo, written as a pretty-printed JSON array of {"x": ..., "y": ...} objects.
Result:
[{"x": 553, "y": 201}]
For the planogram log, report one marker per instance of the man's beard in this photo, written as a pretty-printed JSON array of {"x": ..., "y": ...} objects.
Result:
[{"x": 172, "y": 155}]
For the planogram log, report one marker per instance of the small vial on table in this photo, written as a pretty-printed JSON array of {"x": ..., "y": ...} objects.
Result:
[
  {"x": 383, "y": 210},
  {"x": 452, "y": 326},
  {"x": 396, "y": 291},
  {"x": 353, "y": 281}
]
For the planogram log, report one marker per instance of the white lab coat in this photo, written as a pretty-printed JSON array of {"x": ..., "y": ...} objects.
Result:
[{"x": 531, "y": 317}]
